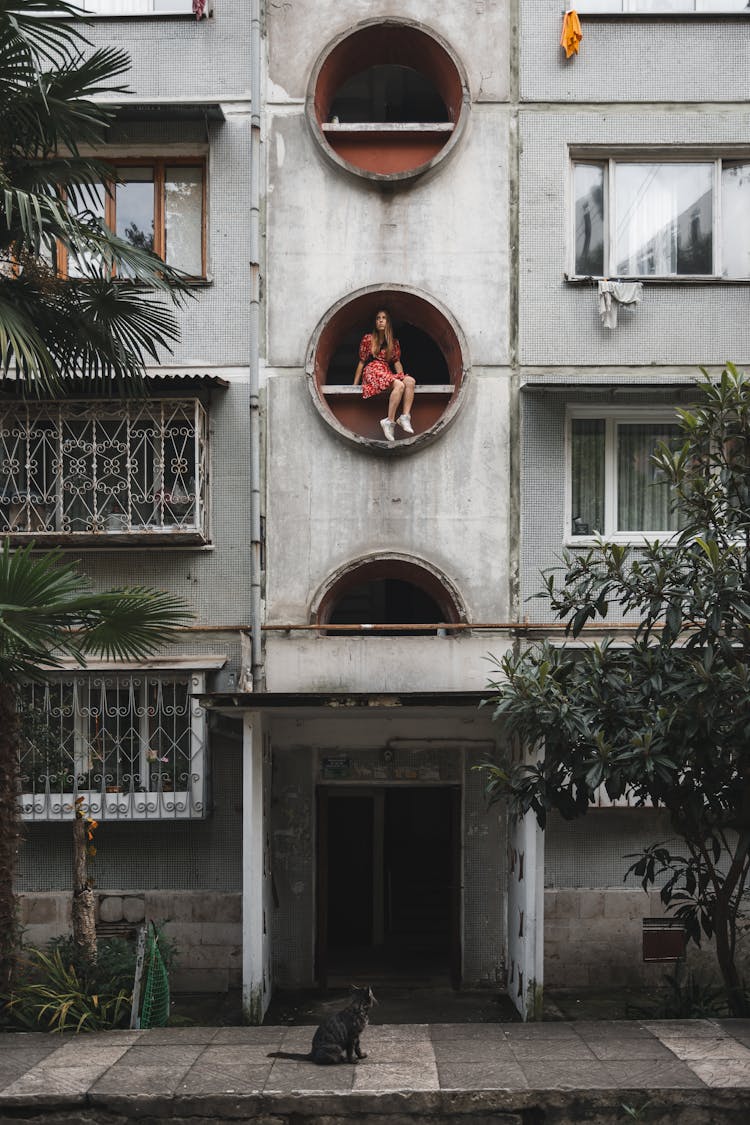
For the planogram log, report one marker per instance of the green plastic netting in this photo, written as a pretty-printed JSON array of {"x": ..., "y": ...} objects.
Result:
[{"x": 155, "y": 1008}]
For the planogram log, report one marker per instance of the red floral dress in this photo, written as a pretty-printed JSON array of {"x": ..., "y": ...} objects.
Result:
[{"x": 377, "y": 375}]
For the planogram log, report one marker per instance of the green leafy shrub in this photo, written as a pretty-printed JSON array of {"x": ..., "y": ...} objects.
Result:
[
  {"x": 49, "y": 994},
  {"x": 686, "y": 995},
  {"x": 58, "y": 990}
]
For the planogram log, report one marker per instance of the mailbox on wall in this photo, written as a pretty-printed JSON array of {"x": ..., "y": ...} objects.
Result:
[{"x": 663, "y": 939}]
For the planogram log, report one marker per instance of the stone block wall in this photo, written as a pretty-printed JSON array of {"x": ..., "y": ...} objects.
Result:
[
  {"x": 206, "y": 927},
  {"x": 593, "y": 938}
]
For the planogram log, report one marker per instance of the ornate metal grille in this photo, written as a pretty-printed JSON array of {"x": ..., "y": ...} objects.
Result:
[
  {"x": 133, "y": 746},
  {"x": 103, "y": 469}
]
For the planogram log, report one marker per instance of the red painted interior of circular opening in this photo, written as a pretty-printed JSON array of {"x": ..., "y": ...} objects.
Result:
[
  {"x": 396, "y": 147},
  {"x": 430, "y": 352}
]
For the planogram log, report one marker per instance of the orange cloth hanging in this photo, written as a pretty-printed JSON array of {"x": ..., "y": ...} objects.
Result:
[{"x": 571, "y": 37}]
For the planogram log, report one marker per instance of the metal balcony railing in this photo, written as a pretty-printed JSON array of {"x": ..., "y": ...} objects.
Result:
[
  {"x": 103, "y": 472},
  {"x": 132, "y": 746}
]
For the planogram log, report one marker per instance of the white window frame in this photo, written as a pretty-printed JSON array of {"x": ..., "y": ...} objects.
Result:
[
  {"x": 634, "y": 8},
  {"x": 138, "y": 9},
  {"x": 612, "y": 417},
  {"x": 155, "y": 803},
  {"x": 609, "y": 163}
]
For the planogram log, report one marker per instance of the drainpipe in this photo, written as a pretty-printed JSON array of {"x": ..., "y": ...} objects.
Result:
[{"x": 254, "y": 316}]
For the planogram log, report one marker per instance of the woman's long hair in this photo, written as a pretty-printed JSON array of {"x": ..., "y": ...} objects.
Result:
[{"x": 383, "y": 339}]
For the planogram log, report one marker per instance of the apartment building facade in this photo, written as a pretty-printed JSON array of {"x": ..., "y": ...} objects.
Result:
[{"x": 323, "y": 817}]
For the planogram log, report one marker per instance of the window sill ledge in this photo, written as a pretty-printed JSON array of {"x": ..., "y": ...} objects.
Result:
[
  {"x": 114, "y": 804},
  {"x": 95, "y": 17},
  {"x": 444, "y": 390},
  {"x": 631, "y": 539},
  {"x": 658, "y": 16},
  {"x": 107, "y": 540},
  {"x": 682, "y": 279},
  {"x": 388, "y": 128}
]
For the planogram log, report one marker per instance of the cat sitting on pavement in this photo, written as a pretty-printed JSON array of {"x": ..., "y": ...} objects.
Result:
[{"x": 337, "y": 1038}]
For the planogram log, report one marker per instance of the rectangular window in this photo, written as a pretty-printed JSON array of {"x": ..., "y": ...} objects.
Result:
[
  {"x": 677, "y": 218},
  {"x": 136, "y": 7},
  {"x": 131, "y": 745},
  {"x": 158, "y": 206},
  {"x": 98, "y": 470},
  {"x": 615, "y": 488},
  {"x": 661, "y": 7}
]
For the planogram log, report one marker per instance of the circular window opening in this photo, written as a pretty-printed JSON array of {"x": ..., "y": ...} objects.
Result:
[
  {"x": 430, "y": 352},
  {"x": 389, "y": 592},
  {"x": 387, "y": 101}
]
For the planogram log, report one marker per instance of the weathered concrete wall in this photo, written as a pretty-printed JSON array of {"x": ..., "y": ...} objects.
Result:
[
  {"x": 298, "y": 32},
  {"x": 205, "y": 927},
  {"x": 373, "y": 663},
  {"x": 446, "y": 235},
  {"x": 559, "y": 323},
  {"x": 593, "y": 938},
  {"x": 330, "y": 504},
  {"x": 634, "y": 60}
]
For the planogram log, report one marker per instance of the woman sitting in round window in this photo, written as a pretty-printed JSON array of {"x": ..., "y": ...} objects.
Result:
[{"x": 380, "y": 370}]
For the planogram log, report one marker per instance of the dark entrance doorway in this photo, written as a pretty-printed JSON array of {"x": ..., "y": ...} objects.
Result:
[{"x": 388, "y": 884}]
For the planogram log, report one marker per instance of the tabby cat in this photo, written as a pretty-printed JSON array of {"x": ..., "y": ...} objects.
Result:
[{"x": 337, "y": 1038}]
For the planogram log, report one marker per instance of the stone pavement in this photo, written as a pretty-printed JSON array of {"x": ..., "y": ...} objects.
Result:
[{"x": 675, "y": 1072}]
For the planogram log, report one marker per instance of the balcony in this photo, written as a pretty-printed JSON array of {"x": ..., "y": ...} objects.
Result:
[
  {"x": 104, "y": 473},
  {"x": 132, "y": 746},
  {"x": 310, "y": 662}
]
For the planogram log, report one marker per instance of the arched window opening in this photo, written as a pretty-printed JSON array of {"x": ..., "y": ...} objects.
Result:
[
  {"x": 430, "y": 352},
  {"x": 387, "y": 601},
  {"x": 389, "y": 592},
  {"x": 387, "y": 101}
]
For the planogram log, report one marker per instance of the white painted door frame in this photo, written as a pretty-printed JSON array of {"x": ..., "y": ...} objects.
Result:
[
  {"x": 256, "y": 870},
  {"x": 526, "y": 915}
]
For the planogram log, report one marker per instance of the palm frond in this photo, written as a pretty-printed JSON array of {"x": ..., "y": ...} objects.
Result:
[
  {"x": 23, "y": 350},
  {"x": 47, "y": 611}
]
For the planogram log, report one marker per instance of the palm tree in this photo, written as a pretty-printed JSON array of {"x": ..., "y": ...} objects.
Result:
[
  {"x": 99, "y": 327},
  {"x": 94, "y": 326},
  {"x": 48, "y": 612}
]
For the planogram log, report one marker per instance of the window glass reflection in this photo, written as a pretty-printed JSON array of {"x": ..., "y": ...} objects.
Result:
[
  {"x": 589, "y": 219},
  {"x": 663, "y": 219},
  {"x": 135, "y": 206},
  {"x": 735, "y": 219},
  {"x": 183, "y": 208},
  {"x": 90, "y": 206}
]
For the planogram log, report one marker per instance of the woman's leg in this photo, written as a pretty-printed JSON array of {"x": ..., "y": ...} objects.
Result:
[
  {"x": 409, "y": 385},
  {"x": 397, "y": 391}
]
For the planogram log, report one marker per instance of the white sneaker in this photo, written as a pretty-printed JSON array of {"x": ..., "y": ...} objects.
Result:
[
  {"x": 388, "y": 427},
  {"x": 405, "y": 423}
]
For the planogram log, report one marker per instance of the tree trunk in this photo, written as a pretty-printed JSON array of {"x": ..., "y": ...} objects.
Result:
[
  {"x": 10, "y": 832},
  {"x": 736, "y": 998},
  {"x": 84, "y": 904}
]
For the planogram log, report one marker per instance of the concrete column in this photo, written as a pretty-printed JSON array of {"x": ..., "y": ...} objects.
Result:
[
  {"x": 526, "y": 916},
  {"x": 255, "y": 991}
]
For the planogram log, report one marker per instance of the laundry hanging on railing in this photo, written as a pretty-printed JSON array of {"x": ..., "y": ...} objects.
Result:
[
  {"x": 571, "y": 37},
  {"x": 612, "y": 294}
]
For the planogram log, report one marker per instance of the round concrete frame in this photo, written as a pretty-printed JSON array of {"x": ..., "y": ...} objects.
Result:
[
  {"x": 388, "y": 560},
  {"x": 437, "y": 48},
  {"x": 449, "y": 326}
]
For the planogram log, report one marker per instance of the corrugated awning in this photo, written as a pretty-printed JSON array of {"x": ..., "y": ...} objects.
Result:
[
  {"x": 154, "y": 381},
  {"x": 340, "y": 702},
  {"x": 185, "y": 662},
  {"x": 186, "y": 378},
  {"x": 632, "y": 380},
  {"x": 165, "y": 109}
]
